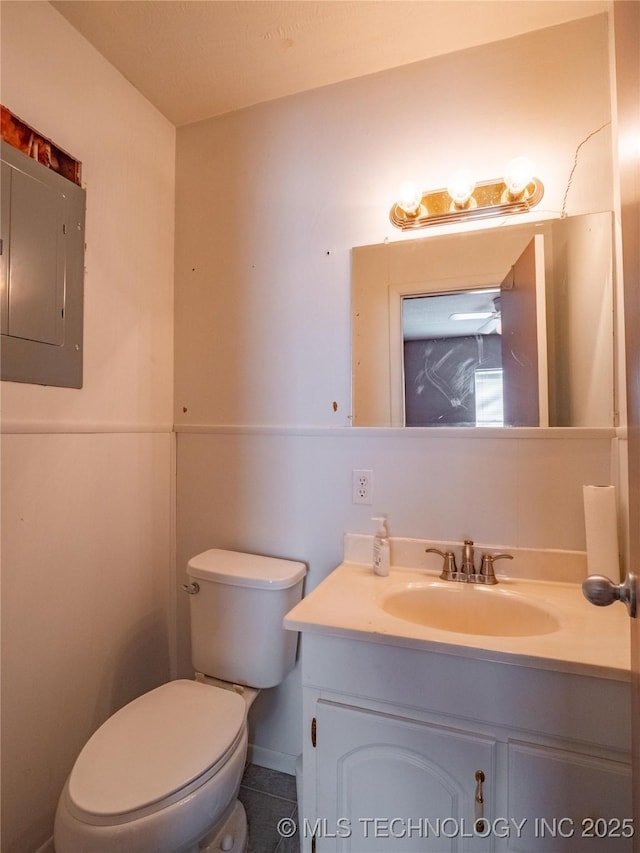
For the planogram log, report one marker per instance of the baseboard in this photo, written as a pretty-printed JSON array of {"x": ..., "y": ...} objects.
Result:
[{"x": 271, "y": 759}]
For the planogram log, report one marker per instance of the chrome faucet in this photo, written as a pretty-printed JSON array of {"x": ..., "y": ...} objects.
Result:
[
  {"x": 467, "y": 572},
  {"x": 468, "y": 567}
]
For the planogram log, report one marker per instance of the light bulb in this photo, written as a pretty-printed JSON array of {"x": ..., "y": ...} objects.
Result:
[
  {"x": 461, "y": 186},
  {"x": 518, "y": 175},
  {"x": 409, "y": 198}
]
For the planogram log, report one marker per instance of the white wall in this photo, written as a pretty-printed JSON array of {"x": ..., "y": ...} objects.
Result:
[
  {"x": 270, "y": 201},
  {"x": 87, "y": 474}
]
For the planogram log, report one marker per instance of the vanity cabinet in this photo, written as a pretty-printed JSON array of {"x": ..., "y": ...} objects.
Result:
[{"x": 397, "y": 735}]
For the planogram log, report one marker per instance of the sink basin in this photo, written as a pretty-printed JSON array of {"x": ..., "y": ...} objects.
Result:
[{"x": 470, "y": 609}]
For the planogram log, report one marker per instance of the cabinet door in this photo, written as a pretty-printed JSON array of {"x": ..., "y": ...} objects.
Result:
[
  {"x": 569, "y": 802},
  {"x": 387, "y": 783}
]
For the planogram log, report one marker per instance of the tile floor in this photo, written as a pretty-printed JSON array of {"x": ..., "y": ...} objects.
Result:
[{"x": 269, "y": 796}]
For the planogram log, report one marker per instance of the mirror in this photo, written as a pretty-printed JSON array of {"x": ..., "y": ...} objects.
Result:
[{"x": 537, "y": 349}]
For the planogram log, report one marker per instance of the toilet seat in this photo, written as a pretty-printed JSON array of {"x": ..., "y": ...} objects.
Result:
[{"x": 154, "y": 751}]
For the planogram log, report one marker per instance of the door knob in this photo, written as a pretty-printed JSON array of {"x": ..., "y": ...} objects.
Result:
[{"x": 601, "y": 591}]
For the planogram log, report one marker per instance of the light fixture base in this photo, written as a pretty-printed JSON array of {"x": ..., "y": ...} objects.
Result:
[{"x": 490, "y": 198}]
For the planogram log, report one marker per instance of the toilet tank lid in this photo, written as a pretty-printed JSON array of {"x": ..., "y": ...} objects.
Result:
[{"x": 238, "y": 569}]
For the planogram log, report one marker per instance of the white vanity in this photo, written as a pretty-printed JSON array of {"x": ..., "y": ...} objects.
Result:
[{"x": 423, "y": 738}]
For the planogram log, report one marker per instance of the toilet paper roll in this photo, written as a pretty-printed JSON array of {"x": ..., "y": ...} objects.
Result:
[{"x": 601, "y": 526}]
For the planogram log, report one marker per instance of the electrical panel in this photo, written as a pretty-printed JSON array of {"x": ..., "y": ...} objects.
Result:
[{"x": 41, "y": 273}]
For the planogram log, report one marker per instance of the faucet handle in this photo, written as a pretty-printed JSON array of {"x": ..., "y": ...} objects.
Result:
[
  {"x": 449, "y": 569},
  {"x": 487, "y": 574}
]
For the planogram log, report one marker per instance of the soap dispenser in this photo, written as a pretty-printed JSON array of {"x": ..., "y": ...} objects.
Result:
[{"x": 381, "y": 550}]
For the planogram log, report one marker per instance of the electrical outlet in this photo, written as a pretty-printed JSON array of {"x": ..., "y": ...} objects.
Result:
[{"x": 362, "y": 486}]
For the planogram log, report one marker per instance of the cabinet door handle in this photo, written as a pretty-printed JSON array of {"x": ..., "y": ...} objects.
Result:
[{"x": 479, "y": 802}]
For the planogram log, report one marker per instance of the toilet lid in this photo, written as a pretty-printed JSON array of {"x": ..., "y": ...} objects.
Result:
[{"x": 155, "y": 746}]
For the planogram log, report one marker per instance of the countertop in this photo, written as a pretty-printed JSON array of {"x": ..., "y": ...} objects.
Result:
[{"x": 590, "y": 640}]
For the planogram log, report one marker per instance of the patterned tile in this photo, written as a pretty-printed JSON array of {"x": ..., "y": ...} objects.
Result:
[
  {"x": 269, "y": 797},
  {"x": 270, "y": 782}
]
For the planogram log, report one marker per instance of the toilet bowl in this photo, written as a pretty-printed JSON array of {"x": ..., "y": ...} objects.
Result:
[
  {"x": 152, "y": 776},
  {"x": 162, "y": 774}
]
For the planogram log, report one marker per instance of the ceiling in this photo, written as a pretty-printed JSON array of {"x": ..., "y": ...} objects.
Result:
[
  {"x": 194, "y": 59},
  {"x": 430, "y": 316}
]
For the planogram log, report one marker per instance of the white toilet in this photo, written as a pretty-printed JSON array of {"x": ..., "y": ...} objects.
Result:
[{"x": 162, "y": 774}]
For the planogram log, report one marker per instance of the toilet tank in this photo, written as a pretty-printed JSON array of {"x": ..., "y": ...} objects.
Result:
[{"x": 237, "y": 613}]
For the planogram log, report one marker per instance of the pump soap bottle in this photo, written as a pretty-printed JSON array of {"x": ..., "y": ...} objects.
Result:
[{"x": 381, "y": 550}]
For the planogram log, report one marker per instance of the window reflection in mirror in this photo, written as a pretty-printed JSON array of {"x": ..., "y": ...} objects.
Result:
[{"x": 453, "y": 359}]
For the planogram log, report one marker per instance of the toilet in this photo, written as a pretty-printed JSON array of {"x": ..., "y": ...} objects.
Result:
[{"x": 162, "y": 774}]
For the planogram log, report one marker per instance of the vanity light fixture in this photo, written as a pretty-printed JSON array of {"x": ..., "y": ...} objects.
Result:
[{"x": 517, "y": 192}]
